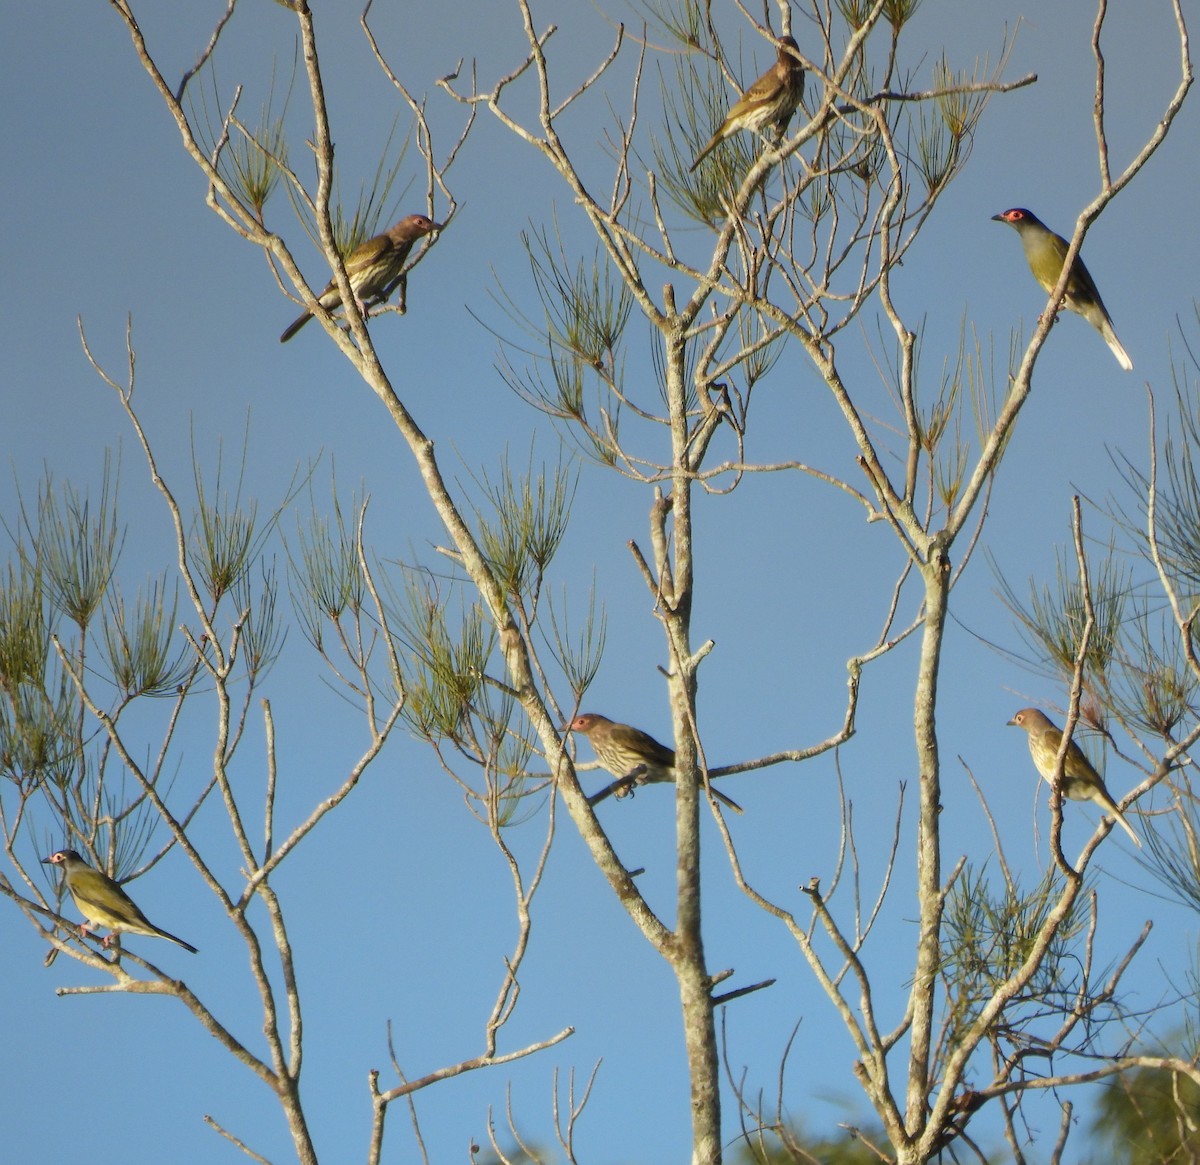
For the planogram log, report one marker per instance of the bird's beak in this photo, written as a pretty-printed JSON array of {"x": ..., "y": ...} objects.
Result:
[
  {"x": 47, "y": 861},
  {"x": 999, "y": 218},
  {"x": 1012, "y": 723},
  {"x": 437, "y": 226}
]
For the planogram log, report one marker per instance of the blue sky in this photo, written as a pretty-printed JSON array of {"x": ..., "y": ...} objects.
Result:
[{"x": 400, "y": 908}]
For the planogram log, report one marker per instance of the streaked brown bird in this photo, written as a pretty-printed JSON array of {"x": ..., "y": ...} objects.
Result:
[
  {"x": 102, "y": 902},
  {"x": 1045, "y": 252},
  {"x": 770, "y": 101},
  {"x": 372, "y": 266},
  {"x": 1080, "y": 782},
  {"x": 630, "y": 754}
]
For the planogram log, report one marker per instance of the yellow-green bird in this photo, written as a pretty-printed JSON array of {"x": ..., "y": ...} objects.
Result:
[
  {"x": 1080, "y": 781},
  {"x": 102, "y": 902},
  {"x": 1045, "y": 252}
]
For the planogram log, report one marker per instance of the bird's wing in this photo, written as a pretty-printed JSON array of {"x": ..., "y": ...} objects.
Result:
[
  {"x": 767, "y": 84},
  {"x": 1053, "y": 737},
  {"x": 651, "y": 748},
  {"x": 1046, "y": 254},
  {"x": 1077, "y": 758},
  {"x": 367, "y": 253},
  {"x": 97, "y": 894},
  {"x": 1082, "y": 287}
]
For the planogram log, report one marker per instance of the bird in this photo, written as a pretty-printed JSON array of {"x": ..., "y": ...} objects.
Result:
[
  {"x": 371, "y": 267},
  {"x": 631, "y": 754},
  {"x": 1045, "y": 252},
  {"x": 771, "y": 100},
  {"x": 1080, "y": 782},
  {"x": 102, "y": 902}
]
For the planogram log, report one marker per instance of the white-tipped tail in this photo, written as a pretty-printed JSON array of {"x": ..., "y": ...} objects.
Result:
[{"x": 1115, "y": 346}]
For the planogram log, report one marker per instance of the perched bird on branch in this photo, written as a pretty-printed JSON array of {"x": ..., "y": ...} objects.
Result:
[
  {"x": 631, "y": 755},
  {"x": 102, "y": 902},
  {"x": 1080, "y": 782},
  {"x": 373, "y": 267},
  {"x": 1045, "y": 252},
  {"x": 770, "y": 101}
]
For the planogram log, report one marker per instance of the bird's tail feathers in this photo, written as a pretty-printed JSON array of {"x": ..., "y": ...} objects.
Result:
[
  {"x": 177, "y": 939},
  {"x": 1115, "y": 346},
  {"x": 294, "y": 327},
  {"x": 1127, "y": 827},
  {"x": 1109, "y": 806},
  {"x": 716, "y": 140},
  {"x": 728, "y": 802}
]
